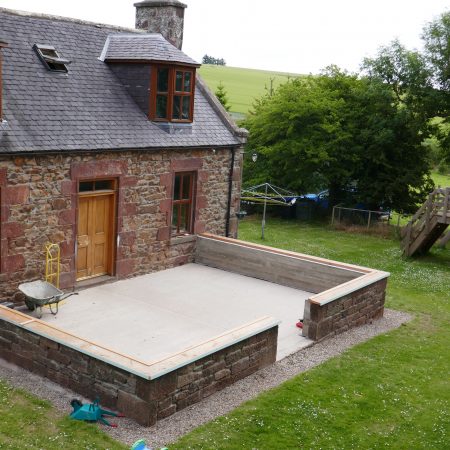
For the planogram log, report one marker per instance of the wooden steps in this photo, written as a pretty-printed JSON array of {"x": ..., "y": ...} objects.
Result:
[{"x": 428, "y": 223}]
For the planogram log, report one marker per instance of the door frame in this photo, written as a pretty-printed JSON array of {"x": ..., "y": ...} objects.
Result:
[{"x": 111, "y": 268}]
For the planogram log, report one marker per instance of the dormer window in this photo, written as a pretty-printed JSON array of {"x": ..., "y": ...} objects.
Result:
[
  {"x": 50, "y": 58},
  {"x": 172, "y": 94}
]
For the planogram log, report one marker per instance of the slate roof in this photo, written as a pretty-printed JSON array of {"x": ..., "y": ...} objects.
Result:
[
  {"x": 143, "y": 47},
  {"x": 88, "y": 108}
]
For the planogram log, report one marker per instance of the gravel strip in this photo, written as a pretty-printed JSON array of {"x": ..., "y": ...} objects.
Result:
[{"x": 218, "y": 404}]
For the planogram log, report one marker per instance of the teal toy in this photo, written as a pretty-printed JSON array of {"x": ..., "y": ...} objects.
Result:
[
  {"x": 91, "y": 412},
  {"x": 141, "y": 445}
]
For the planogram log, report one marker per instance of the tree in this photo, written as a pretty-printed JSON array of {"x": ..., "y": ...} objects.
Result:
[
  {"x": 215, "y": 61},
  {"x": 222, "y": 96},
  {"x": 436, "y": 36},
  {"x": 337, "y": 130}
]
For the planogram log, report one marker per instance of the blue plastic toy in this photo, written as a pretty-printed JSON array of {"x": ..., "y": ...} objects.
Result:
[
  {"x": 141, "y": 445},
  {"x": 91, "y": 412}
]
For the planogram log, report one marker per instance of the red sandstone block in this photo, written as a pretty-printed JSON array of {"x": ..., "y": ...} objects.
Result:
[
  {"x": 163, "y": 234},
  {"x": 98, "y": 168},
  {"x": 201, "y": 202},
  {"x": 13, "y": 263},
  {"x": 67, "y": 280},
  {"x": 166, "y": 180},
  {"x": 12, "y": 230},
  {"x": 125, "y": 267},
  {"x": 128, "y": 182},
  {"x": 128, "y": 209},
  {"x": 203, "y": 176},
  {"x": 2, "y": 176},
  {"x": 68, "y": 187},
  {"x": 165, "y": 205},
  {"x": 186, "y": 164},
  {"x": 16, "y": 195},
  {"x": 67, "y": 217},
  {"x": 127, "y": 238},
  {"x": 199, "y": 227}
]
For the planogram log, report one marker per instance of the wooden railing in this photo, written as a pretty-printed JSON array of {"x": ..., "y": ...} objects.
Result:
[{"x": 435, "y": 210}]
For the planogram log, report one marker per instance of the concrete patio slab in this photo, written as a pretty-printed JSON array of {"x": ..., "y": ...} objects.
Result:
[{"x": 153, "y": 316}]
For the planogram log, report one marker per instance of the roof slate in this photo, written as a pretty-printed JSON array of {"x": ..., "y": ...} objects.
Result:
[
  {"x": 143, "y": 47},
  {"x": 88, "y": 108}
]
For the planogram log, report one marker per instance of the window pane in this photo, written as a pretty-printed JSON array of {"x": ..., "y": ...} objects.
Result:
[
  {"x": 176, "y": 189},
  {"x": 86, "y": 186},
  {"x": 186, "y": 187},
  {"x": 103, "y": 184},
  {"x": 187, "y": 81},
  {"x": 163, "y": 80},
  {"x": 186, "y": 107},
  {"x": 179, "y": 81},
  {"x": 176, "y": 113},
  {"x": 175, "y": 214},
  {"x": 184, "y": 218},
  {"x": 161, "y": 106}
]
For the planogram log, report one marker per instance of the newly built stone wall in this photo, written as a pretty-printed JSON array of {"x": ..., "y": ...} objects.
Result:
[
  {"x": 143, "y": 400},
  {"x": 357, "y": 308},
  {"x": 39, "y": 204}
]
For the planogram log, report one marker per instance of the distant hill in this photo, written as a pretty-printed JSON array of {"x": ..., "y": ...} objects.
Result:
[{"x": 243, "y": 86}]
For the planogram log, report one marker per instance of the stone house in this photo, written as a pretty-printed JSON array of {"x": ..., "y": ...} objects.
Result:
[{"x": 110, "y": 145}]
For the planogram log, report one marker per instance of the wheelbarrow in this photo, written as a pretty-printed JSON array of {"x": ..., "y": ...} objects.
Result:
[{"x": 41, "y": 293}]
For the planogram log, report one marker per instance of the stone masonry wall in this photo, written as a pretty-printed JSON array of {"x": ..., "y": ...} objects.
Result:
[
  {"x": 38, "y": 196},
  {"x": 145, "y": 401},
  {"x": 352, "y": 310}
]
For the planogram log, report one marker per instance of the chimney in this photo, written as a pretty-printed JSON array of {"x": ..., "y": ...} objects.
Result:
[
  {"x": 2, "y": 45},
  {"x": 162, "y": 16}
]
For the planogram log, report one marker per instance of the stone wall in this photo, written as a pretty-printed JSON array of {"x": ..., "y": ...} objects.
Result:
[
  {"x": 39, "y": 204},
  {"x": 352, "y": 310},
  {"x": 145, "y": 401}
]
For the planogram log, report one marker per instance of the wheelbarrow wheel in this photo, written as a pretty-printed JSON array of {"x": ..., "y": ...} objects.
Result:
[{"x": 30, "y": 305}]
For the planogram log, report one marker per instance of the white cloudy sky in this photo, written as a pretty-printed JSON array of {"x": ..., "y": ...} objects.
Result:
[{"x": 298, "y": 36}]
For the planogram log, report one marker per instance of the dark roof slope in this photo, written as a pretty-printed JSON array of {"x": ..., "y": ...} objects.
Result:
[
  {"x": 143, "y": 47},
  {"x": 87, "y": 108}
]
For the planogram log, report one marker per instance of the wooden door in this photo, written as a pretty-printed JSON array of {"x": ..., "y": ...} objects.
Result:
[{"x": 94, "y": 235}]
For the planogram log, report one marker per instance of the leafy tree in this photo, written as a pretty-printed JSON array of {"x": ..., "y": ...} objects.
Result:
[
  {"x": 222, "y": 96},
  {"x": 436, "y": 36},
  {"x": 339, "y": 130},
  {"x": 211, "y": 60}
]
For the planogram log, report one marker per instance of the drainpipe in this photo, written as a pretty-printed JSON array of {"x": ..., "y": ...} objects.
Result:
[{"x": 230, "y": 191}]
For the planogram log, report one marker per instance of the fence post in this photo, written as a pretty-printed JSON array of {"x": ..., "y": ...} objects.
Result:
[
  {"x": 368, "y": 222},
  {"x": 332, "y": 217}
]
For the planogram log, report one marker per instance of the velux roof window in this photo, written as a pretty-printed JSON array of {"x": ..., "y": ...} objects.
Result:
[{"x": 50, "y": 58}]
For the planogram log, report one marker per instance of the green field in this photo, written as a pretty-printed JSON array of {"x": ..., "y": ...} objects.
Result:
[
  {"x": 242, "y": 85},
  {"x": 441, "y": 179}
]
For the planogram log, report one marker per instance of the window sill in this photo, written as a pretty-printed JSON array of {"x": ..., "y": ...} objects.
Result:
[{"x": 183, "y": 239}]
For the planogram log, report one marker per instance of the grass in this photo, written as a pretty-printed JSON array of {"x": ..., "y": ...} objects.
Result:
[
  {"x": 28, "y": 422},
  {"x": 390, "y": 392},
  {"x": 243, "y": 86},
  {"x": 441, "y": 179}
]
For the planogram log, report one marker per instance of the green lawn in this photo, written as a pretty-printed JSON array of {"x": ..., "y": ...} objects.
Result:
[
  {"x": 441, "y": 179},
  {"x": 27, "y": 422},
  {"x": 242, "y": 85},
  {"x": 390, "y": 392}
]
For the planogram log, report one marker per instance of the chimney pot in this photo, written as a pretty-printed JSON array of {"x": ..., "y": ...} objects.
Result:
[{"x": 162, "y": 16}]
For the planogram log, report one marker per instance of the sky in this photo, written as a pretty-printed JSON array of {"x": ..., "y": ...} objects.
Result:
[{"x": 293, "y": 36}]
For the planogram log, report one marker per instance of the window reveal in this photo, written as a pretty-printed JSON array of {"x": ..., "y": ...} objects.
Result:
[
  {"x": 172, "y": 94},
  {"x": 183, "y": 202}
]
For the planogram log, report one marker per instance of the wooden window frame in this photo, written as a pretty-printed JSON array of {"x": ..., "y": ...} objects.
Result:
[
  {"x": 171, "y": 93},
  {"x": 190, "y": 201}
]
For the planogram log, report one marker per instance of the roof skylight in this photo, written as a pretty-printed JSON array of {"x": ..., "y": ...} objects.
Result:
[{"x": 51, "y": 59}]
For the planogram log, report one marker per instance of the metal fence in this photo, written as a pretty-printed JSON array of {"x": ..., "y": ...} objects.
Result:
[{"x": 359, "y": 217}]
